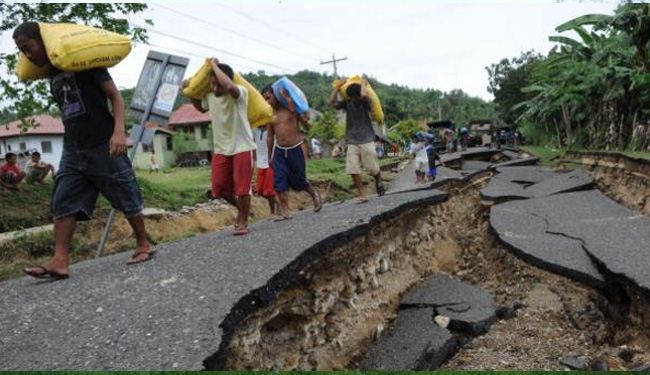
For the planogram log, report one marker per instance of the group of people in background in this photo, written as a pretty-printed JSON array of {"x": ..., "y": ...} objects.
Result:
[
  {"x": 277, "y": 148},
  {"x": 94, "y": 159},
  {"x": 423, "y": 151},
  {"x": 35, "y": 171}
]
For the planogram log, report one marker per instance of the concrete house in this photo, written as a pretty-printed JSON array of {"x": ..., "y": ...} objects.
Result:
[
  {"x": 46, "y": 138},
  {"x": 163, "y": 146},
  {"x": 187, "y": 120}
]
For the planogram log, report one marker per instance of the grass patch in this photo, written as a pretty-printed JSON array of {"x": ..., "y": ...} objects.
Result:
[
  {"x": 546, "y": 154},
  {"x": 331, "y": 170},
  {"x": 171, "y": 191},
  {"x": 177, "y": 188},
  {"x": 26, "y": 208},
  {"x": 638, "y": 154}
]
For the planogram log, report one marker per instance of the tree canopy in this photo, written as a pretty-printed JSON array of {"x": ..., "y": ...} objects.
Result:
[
  {"x": 28, "y": 98},
  {"x": 590, "y": 90}
]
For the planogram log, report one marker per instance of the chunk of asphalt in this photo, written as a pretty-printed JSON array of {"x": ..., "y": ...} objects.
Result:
[
  {"x": 517, "y": 162},
  {"x": 614, "y": 235},
  {"x": 498, "y": 191},
  {"x": 512, "y": 155},
  {"x": 523, "y": 174},
  {"x": 619, "y": 244},
  {"x": 479, "y": 153},
  {"x": 471, "y": 310},
  {"x": 525, "y": 233},
  {"x": 474, "y": 165},
  {"x": 562, "y": 183},
  {"x": 413, "y": 342},
  {"x": 573, "y": 362}
]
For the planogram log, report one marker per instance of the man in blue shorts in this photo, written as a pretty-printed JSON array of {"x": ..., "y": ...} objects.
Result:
[{"x": 288, "y": 158}]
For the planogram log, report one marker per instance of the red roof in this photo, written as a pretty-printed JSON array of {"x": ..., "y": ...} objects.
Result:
[
  {"x": 46, "y": 124},
  {"x": 187, "y": 115}
]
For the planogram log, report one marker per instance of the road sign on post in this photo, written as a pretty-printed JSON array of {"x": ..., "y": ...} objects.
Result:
[
  {"x": 153, "y": 101},
  {"x": 160, "y": 81}
]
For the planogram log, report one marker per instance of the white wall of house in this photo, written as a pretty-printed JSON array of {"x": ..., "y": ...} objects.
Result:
[{"x": 51, "y": 154}]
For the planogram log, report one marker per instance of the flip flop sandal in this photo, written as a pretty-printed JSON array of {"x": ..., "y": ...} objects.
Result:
[
  {"x": 240, "y": 231},
  {"x": 282, "y": 218},
  {"x": 132, "y": 260},
  {"x": 46, "y": 274},
  {"x": 361, "y": 201}
]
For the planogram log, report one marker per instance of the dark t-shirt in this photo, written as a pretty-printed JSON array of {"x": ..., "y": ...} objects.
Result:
[
  {"x": 358, "y": 128},
  {"x": 84, "y": 107}
]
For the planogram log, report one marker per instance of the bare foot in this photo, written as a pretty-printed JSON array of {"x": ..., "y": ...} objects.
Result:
[{"x": 318, "y": 203}]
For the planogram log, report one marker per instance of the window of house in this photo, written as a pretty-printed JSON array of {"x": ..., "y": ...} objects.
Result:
[
  {"x": 46, "y": 147},
  {"x": 22, "y": 146},
  {"x": 204, "y": 132},
  {"x": 170, "y": 143},
  {"x": 8, "y": 148},
  {"x": 146, "y": 148}
]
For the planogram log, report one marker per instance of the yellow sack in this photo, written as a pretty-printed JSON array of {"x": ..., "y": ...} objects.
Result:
[
  {"x": 259, "y": 111},
  {"x": 74, "y": 48},
  {"x": 376, "y": 112},
  {"x": 26, "y": 71}
]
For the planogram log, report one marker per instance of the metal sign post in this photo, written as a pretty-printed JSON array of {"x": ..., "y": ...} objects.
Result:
[{"x": 153, "y": 101}]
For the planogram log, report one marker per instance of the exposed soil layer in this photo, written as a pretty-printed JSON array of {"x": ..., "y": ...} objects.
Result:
[
  {"x": 348, "y": 297},
  {"x": 624, "y": 179},
  {"x": 559, "y": 317}
]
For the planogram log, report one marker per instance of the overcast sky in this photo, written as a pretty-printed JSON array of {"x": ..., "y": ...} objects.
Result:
[{"x": 423, "y": 44}]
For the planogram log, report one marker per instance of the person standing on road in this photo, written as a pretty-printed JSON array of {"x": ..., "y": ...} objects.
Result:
[
  {"x": 284, "y": 143},
  {"x": 316, "y": 148},
  {"x": 265, "y": 177},
  {"x": 232, "y": 162},
  {"x": 359, "y": 136},
  {"x": 94, "y": 158}
]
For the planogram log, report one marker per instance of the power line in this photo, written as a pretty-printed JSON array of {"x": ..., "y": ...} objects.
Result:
[
  {"x": 286, "y": 70},
  {"x": 271, "y": 27},
  {"x": 232, "y": 31},
  {"x": 187, "y": 53}
]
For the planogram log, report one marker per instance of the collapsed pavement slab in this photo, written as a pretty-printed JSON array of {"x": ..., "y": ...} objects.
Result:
[
  {"x": 479, "y": 153},
  {"x": 620, "y": 245},
  {"x": 517, "y": 162},
  {"x": 516, "y": 184},
  {"x": 562, "y": 183},
  {"x": 510, "y": 154},
  {"x": 473, "y": 165},
  {"x": 574, "y": 234},
  {"x": 413, "y": 342},
  {"x": 525, "y": 233},
  {"x": 523, "y": 174},
  {"x": 498, "y": 190},
  {"x": 165, "y": 314},
  {"x": 471, "y": 310}
]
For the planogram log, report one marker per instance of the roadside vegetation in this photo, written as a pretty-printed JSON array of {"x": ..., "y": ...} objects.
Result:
[{"x": 592, "y": 90}]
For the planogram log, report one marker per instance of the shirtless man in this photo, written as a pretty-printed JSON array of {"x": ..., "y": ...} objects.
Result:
[{"x": 288, "y": 159}]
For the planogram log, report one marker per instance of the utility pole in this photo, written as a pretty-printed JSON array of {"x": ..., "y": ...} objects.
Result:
[
  {"x": 439, "y": 111},
  {"x": 333, "y": 61}
]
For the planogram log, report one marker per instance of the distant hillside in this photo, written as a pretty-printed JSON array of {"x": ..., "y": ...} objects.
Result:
[{"x": 399, "y": 102}]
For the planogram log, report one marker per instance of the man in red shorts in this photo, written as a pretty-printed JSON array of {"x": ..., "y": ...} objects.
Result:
[
  {"x": 232, "y": 162},
  {"x": 264, "y": 171}
]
